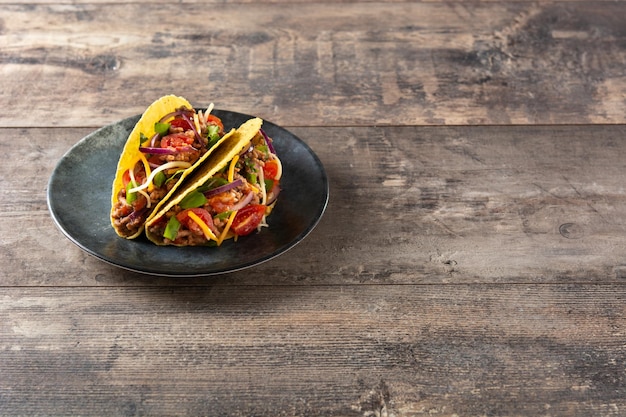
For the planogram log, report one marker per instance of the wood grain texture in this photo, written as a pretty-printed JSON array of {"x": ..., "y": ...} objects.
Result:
[
  {"x": 229, "y": 350},
  {"x": 285, "y": 3},
  {"x": 407, "y": 205},
  {"x": 472, "y": 259},
  {"x": 319, "y": 64}
]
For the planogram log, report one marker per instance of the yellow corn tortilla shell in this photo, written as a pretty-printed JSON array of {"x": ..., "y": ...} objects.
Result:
[
  {"x": 131, "y": 154},
  {"x": 220, "y": 158}
]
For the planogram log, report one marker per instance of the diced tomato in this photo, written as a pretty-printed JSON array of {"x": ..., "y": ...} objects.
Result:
[
  {"x": 156, "y": 159},
  {"x": 181, "y": 123},
  {"x": 270, "y": 169},
  {"x": 184, "y": 219},
  {"x": 221, "y": 202},
  {"x": 214, "y": 120},
  {"x": 126, "y": 177},
  {"x": 139, "y": 173},
  {"x": 177, "y": 141},
  {"x": 248, "y": 219},
  {"x": 140, "y": 202}
]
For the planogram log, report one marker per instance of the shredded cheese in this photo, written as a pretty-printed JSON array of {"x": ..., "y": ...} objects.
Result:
[
  {"x": 131, "y": 174},
  {"x": 262, "y": 183},
  {"x": 231, "y": 169},
  {"x": 169, "y": 165},
  {"x": 196, "y": 122},
  {"x": 256, "y": 190},
  {"x": 279, "y": 173},
  {"x": 263, "y": 223},
  {"x": 205, "y": 229},
  {"x": 227, "y": 227},
  {"x": 146, "y": 167},
  {"x": 208, "y": 111}
]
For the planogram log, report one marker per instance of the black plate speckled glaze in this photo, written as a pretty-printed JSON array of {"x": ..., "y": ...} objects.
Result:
[{"x": 79, "y": 200}]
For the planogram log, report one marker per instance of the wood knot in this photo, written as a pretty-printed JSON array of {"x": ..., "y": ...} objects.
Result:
[
  {"x": 571, "y": 231},
  {"x": 100, "y": 64}
]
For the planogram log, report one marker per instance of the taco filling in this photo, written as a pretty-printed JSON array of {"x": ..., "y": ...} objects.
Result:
[
  {"x": 233, "y": 202},
  {"x": 175, "y": 143}
]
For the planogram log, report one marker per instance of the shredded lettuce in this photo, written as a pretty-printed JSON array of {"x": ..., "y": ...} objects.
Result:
[{"x": 213, "y": 135}]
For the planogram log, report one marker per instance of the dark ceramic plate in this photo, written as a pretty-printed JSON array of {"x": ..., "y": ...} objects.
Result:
[{"x": 79, "y": 199}]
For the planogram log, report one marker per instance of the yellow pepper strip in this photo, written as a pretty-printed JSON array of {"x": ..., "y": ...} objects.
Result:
[
  {"x": 146, "y": 167},
  {"x": 205, "y": 229},
  {"x": 231, "y": 169},
  {"x": 227, "y": 227},
  {"x": 254, "y": 189}
]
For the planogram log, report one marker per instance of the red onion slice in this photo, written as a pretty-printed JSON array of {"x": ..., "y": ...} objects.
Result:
[
  {"x": 243, "y": 202},
  {"x": 193, "y": 127},
  {"x": 158, "y": 151},
  {"x": 154, "y": 139},
  {"x": 273, "y": 195},
  {"x": 174, "y": 114},
  {"x": 268, "y": 142},
  {"x": 223, "y": 188},
  {"x": 137, "y": 214},
  {"x": 166, "y": 151}
]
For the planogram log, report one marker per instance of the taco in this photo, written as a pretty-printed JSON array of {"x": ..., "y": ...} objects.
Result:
[
  {"x": 168, "y": 142},
  {"x": 230, "y": 195}
]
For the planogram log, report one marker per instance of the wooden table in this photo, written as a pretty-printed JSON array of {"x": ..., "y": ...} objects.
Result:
[{"x": 472, "y": 258}]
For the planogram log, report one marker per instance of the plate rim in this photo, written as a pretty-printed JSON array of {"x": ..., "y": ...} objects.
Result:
[{"x": 56, "y": 217}]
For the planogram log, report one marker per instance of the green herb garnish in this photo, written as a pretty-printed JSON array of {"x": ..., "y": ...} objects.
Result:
[
  {"x": 213, "y": 183},
  {"x": 171, "y": 230},
  {"x": 162, "y": 128},
  {"x": 130, "y": 197},
  {"x": 212, "y": 135},
  {"x": 192, "y": 200},
  {"x": 250, "y": 164},
  {"x": 177, "y": 173},
  {"x": 159, "y": 179},
  {"x": 223, "y": 215}
]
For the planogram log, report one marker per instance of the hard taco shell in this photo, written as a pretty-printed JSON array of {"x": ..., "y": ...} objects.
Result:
[
  {"x": 229, "y": 148},
  {"x": 131, "y": 154}
]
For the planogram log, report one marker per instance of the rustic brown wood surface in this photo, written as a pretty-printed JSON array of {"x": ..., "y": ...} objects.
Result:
[
  {"x": 227, "y": 349},
  {"x": 318, "y": 64},
  {"x": 472, "y": 258}
]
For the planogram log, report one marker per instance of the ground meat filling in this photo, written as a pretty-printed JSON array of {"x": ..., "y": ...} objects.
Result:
[
  {"x": 219, "y": 206},
  {"x": 129, "y": 218},
  {"x": 127, "y": 221}
]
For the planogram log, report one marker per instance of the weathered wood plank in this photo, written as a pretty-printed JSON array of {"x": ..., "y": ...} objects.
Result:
[
  {"x": 222, "y": 2},
  {"x": 314, "y": 351},
  {"x": 317, "y": 64},
  {"x": 407, "y": 205}
]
